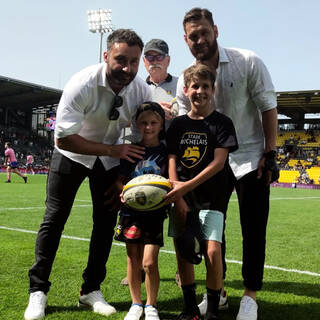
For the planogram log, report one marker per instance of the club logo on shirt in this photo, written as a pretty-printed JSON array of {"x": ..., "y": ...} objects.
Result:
[{"x": 195, "y": 147}]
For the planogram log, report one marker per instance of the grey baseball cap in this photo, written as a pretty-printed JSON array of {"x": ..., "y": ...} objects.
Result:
[{"x": 157, "y": 45}]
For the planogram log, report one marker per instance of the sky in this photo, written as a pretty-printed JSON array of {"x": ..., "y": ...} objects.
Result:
[{"x": 45, "y": 42}]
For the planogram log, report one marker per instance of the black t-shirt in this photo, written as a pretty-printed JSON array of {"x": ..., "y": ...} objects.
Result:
[
  {"x": 155, "y": 161},
  {"x": 194, "y": 143}
]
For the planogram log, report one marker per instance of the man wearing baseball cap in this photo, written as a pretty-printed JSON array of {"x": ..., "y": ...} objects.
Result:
[{"x": 163, "y": 85}]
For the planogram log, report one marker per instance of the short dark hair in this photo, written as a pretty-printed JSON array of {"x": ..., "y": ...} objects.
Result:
[
  {"x": 196, "y": 14},
  {"x": 127, "y": 36},
  {"x": 198, "y": 71},
  {"x": 7, "y": 143}
]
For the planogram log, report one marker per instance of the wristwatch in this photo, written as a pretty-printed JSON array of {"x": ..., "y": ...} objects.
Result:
[{"x": 270, "y": 155}]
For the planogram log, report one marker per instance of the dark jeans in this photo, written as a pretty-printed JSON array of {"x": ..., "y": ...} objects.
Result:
[
  {"x": 64, "y": 179},
  {"x": 253, "y": 198}
]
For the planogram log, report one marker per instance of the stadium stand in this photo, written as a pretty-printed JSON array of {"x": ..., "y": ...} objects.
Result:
[
  {"x": 24, "y": 110},
  {"x": 298, "y": 156}
]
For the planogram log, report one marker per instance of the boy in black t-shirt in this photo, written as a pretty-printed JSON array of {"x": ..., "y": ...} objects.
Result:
[
  {"x": 143, "y": 231},
  {"x": 198, "y": 145}
]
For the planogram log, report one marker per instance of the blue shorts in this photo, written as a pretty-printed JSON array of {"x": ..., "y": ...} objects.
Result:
[
  {"x": 211, "y": 224},
  {"x": 13, "y": 165}
]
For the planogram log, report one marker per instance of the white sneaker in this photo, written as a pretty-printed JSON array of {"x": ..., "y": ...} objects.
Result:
[
  {"x": 248, "y": 309},
  {"x": 36, "y": 307},
  {"x": 96, "y": 302},
  {"x": 223, "y": 303},
  {"x": 151, "y": 313},
  {"x": 135, "y": 312}
]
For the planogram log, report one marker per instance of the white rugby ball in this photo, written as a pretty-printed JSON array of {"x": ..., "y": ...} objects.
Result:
[{"x": 146, "y": 192}]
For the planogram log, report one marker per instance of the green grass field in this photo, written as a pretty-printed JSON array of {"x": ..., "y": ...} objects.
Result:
[{"x": 292, "y": 274}]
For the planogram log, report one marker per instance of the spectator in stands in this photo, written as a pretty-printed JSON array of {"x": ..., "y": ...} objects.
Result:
[
  {"x": 299, "y": 165},
  {"x": 249, "y": 99},
  {"x": 95, "y": 106},
  {"x": 304, "y": 177},
  {"x": 11, "y": 162},
  {"x": 29, "y": 164}
]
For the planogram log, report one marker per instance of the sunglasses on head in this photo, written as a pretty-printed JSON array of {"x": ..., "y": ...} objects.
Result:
[
  {"x": 114, "y": 113},
  {"x": 158, "y": 57}
]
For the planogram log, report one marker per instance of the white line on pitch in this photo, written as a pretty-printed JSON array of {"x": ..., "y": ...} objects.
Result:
[
  {"x": 88, "y": 205},
  {"x": 287, "y": 198},
  {"x": 294, "y": 198},
  {"x": 170, "y": 252},
  {"x": 42, "y": 208}
]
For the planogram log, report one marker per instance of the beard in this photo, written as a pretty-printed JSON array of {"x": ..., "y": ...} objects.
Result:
[
  {"x": 205, "y": 51},
  {"x": 120, "y": 78}
]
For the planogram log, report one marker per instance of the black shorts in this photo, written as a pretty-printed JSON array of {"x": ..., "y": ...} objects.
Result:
[{"x": 141, "y": 228}]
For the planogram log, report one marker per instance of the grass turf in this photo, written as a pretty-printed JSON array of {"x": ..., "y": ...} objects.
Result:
[{"x": 292, "y": 243}]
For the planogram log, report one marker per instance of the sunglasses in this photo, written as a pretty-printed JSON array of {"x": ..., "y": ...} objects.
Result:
[
  {"x": 114, "y": 113},
  {"x": 159, "y": 57}
]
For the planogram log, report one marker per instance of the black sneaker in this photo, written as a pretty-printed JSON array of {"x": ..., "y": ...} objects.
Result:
[
  {"x": 8, "y": 181},
  {"x": 195, "y": 315},
  {"x": 25, "y": 179}
]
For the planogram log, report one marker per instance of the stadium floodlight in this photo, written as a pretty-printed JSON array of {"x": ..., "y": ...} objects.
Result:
[{"x": 100, "y": 21}]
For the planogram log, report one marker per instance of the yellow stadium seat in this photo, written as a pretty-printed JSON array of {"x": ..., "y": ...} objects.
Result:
[
  {"x": 288, "y": 176},
  {"x": 314, "y": 173}
]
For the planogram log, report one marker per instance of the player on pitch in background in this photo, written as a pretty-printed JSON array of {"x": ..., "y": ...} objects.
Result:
[
  {"x": 143, "y": 231},
  {"x": 10, "y": 161},
  {"x": 29, "y": 164},
  {"x": 198, "y": 147}
]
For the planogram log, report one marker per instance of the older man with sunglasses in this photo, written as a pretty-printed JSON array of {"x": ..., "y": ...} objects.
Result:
[
  {"x": 163, "y": 85},
  {"x": 96, "y": 105}
]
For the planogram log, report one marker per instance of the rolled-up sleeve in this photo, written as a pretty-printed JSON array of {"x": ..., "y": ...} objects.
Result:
[
  {"x": 71, "y": 110},
  {"x": 260, "y": 85}
]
